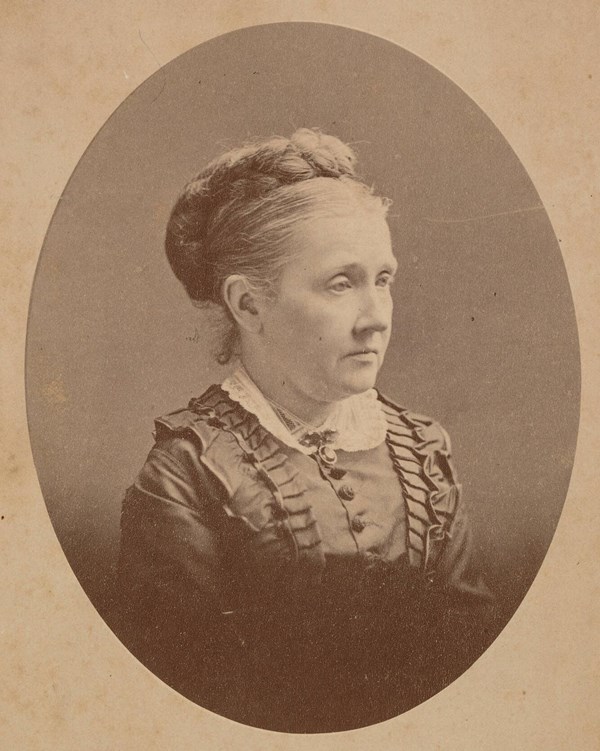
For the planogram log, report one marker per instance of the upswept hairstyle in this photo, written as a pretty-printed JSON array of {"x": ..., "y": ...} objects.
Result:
[{"x": 235, "y": 216}]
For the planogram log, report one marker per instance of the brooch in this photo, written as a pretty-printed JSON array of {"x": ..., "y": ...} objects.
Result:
[{"x": 321, "y": 442}]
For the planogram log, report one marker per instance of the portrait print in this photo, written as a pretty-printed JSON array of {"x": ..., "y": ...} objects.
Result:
[{"x": 293, "y": 430}]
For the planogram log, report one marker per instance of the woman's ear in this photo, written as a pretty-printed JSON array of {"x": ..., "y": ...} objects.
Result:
[{"x": 242, "y": 303}]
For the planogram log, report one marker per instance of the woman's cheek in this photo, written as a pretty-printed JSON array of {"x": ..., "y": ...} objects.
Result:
[{"x": 329, "y": 331}]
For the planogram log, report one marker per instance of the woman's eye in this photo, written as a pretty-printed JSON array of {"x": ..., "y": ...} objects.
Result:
[
  {"x": 340, "y": 285},
  {"x": 385, "y": 280}
]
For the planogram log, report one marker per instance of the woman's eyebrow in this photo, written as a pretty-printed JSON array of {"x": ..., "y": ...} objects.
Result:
[
  {"x": 350, "y": 268},
  {"x": 344, "y": 268}
]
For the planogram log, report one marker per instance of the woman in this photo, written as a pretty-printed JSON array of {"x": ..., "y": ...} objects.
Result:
[{"x": 295, "y": 554}]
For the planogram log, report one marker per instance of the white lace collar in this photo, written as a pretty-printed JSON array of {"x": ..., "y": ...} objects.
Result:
[{"x": 358, "y": 421}]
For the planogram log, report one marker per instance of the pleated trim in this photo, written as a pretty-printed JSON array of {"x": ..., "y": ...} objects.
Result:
[
  {"x": 292, "y": 518},
  {"x": 420, "y": 451}
]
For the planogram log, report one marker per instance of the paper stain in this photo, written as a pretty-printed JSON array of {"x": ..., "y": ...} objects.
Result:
[{"x": 54, "y": 392}]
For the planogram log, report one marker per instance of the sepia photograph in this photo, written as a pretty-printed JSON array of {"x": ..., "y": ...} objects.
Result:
[
  {"x": 303, "y": 274},
  {"x": 302, "y": 363}
]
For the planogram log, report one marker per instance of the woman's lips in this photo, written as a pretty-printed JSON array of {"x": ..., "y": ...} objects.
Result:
[{"x": 365, "y": 355}]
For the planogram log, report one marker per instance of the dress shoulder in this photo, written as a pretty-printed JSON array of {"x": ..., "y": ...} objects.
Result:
[
  {"x": 423, "y": 435},
  {"x": 199, "y": 419},
  {"x": 430, "y": 430},
  {"x": 219, "y": 436},
  {"x": 187, "y": 465}
]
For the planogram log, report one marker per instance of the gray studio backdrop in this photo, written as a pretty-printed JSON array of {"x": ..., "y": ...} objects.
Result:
[{"x": 485, "y": 337}]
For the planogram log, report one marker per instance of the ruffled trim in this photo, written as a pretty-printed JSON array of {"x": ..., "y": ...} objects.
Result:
[
  {"x": 420, "y": 451},
  {"x": 358, "y": 421},
  {"x": 284, "y": 527}
]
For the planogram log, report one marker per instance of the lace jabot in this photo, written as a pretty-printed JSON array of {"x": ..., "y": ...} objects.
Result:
[{"x": 358, "y": 421}]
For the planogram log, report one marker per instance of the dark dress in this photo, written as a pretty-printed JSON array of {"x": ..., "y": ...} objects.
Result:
[{"x": 291, "y": 592}]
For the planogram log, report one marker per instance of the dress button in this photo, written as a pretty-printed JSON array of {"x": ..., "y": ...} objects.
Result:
[
  {"x": 358, "y": 524},
  {"x": 346, "y": 493},
  {"x": 328, "y": 455},
  {"x": 436, "y": 532},
  {"x": 279, "y": 514}
]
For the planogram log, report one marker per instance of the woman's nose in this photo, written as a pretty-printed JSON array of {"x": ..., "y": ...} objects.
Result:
[{"x": 375, "y": 311}]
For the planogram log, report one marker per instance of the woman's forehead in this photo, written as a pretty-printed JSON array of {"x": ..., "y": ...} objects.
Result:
[{"x": 359, "y": 238}]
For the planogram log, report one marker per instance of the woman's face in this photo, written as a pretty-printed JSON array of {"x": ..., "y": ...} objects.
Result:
[{"x": 327, "y": 331}]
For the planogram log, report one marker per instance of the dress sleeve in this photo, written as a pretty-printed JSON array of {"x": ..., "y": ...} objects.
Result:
[
  {"x": 457, "y": 567},
  {"x": 167, "y": 532},
  {"x": 171, "y": 576},
  {"x": 460, "y": 614}
]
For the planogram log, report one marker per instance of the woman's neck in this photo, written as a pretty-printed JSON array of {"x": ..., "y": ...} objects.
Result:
[{"x": 287, "y": 396}]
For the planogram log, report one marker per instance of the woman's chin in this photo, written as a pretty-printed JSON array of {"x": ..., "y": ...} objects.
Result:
[
  {"x": 358, "y": 383},
  {"x": 344, "y": 382}
]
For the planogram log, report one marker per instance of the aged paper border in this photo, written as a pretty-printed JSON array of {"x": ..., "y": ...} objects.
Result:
[{"x": 533, "y": 68}]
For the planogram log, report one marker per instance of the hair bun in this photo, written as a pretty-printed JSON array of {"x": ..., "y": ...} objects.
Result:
[
  {"x": 328, "y": 156},
  {"x": 257, "y": 168}
]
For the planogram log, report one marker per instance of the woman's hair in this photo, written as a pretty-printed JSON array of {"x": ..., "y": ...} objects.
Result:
[{"x": 235, "y": 216}]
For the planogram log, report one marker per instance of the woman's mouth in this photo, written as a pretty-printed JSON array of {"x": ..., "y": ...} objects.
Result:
[{"x": 364, "y": 355}]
